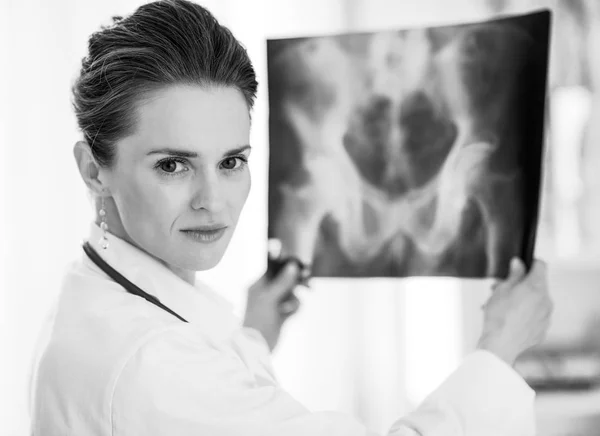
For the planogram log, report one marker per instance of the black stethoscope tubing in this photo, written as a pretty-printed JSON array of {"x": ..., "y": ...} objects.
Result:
[{"x": 120, "y": 279}]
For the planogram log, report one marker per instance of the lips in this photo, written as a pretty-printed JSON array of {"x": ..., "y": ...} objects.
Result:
[
  {"x": 205, "y": 233},
  {"x": 210, "y": 228}
]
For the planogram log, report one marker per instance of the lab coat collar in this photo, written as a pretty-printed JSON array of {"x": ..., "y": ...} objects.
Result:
[{"x": 197, "y": 303}]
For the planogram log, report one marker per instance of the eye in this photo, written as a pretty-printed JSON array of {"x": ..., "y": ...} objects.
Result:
[
  {"x": 168, "y": 166},
  {"x": 234, "y": 163},
  {"x": 171, "y": 166}
]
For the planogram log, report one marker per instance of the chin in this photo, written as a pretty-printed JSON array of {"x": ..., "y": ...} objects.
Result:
[
  {"x": 206, "y": 264},
  {"x": 191, "y": 262},
  {"x": 202, "y": 258}
]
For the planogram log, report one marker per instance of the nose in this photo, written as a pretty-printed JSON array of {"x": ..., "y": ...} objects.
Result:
[{"x": 208, "y": 193}]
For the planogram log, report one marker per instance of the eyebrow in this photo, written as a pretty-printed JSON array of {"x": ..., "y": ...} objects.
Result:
[{"x": 191, "y": 154}]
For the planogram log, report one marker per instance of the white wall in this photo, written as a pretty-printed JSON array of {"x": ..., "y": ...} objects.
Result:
[{"x": 394, "y": 14}]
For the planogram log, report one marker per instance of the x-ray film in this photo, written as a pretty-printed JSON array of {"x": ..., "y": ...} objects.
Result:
[{"x": 409, "y": 153}]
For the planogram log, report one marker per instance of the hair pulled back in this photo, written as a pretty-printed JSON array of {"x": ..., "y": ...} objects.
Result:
[{"x": 162, "y": 43}]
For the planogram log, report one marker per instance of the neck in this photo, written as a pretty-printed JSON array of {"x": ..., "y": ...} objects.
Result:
[{"x": 184, "y": 274}]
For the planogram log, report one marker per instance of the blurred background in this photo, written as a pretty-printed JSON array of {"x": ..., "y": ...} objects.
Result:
[{"x": 371, "y": 348}]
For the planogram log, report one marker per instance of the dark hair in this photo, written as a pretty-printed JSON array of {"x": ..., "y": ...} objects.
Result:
[{"x": 162, "y": 43}]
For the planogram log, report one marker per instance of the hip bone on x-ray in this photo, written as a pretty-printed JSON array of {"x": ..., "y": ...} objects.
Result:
[{"x": 409, "y": 153}]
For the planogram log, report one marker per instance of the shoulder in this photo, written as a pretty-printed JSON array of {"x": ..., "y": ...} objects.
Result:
[{"x": 94, "y": 328}]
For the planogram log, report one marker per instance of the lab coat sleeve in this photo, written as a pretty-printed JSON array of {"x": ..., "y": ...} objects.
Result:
[
  {"x": 177, "y": 383},
  {"x": 484, "y": 396}
]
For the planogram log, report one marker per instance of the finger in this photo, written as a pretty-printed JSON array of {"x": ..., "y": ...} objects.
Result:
[
  {"x": 306, "y": 284},
  {"x": 516, "y": 274},
  {"x": 539, "y": 267},
  {"x": 274, "y": 248},
  {"x": 517, "y": 269},
  {"x": 289, "y": 308},
  {"x": 290, "y": 305},
  {"x": 540, "y": 263},
  {"x": 538, "y": 273},
  {"x": 305, "y": 277},
  {"x": 285, "y": 281}
]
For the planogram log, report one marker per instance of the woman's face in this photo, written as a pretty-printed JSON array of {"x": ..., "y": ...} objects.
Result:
[{"x": 181, "y": 173}]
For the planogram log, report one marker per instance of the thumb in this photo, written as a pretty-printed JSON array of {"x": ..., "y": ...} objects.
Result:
[
  {"x": 290, "y": 305},
  {"x": 516, "y": 274},
  {"x": 285, "y": 281}
]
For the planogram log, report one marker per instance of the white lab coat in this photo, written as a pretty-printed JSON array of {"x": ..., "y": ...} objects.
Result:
[{"x": 110, "y": 363}]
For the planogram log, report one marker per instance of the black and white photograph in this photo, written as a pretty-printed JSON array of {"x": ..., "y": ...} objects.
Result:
[
  {"x": 411, "y": 152},
  {"x": 299, "y": 217}
]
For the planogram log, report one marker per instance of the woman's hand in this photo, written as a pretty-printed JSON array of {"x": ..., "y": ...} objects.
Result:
[
  {"x": 271, "y": 301},
  {"x": 517, "y": 315}
]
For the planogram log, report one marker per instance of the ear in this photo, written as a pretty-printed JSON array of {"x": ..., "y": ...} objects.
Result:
[{"x": 91, "y": 173}]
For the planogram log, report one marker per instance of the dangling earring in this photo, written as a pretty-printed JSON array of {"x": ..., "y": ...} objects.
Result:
[{"x": 104, "y": 239}]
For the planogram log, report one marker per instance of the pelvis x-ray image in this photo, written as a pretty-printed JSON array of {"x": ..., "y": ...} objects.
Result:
[{"x": 409, "y": 153}]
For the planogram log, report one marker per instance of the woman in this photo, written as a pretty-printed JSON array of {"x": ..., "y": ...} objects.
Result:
[{"x": 163, "y": 101}]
